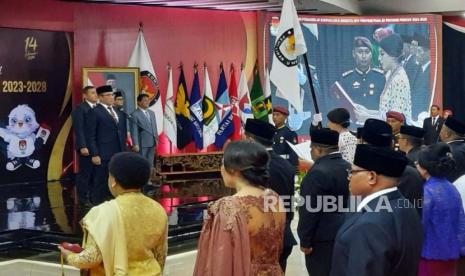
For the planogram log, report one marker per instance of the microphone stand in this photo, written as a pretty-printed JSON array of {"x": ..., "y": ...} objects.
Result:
[{"x": 131, "y": 119}]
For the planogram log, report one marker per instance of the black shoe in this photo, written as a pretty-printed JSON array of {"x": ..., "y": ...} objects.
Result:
[
  {"x": 13, "y": 164},
  {"x": 32, "y": 163}
]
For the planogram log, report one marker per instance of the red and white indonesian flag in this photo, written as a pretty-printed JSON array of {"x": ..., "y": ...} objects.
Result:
[
  {"x": 289, "y": 44},
  {"x": 169, "y": 118},
  {"x": 140, "y": 57}
]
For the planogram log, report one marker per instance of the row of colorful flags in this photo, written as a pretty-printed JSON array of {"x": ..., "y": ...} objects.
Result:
[
  {"x": 205, "y": 120},
  {"x": 200, "y": 118}
]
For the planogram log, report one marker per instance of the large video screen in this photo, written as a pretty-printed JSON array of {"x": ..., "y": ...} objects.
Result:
[{"x": 368, "y": 65}]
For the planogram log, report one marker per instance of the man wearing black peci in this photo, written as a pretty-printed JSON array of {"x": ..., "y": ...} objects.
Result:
[
  {"x": 384, "y": 236},
  {"x": 453, "y": 133},
  {"x": 411, "y": 142},
  {"x": 106, "y": 136},
  {"x": 379, "y": 133},
  {"x": 326, "y": 179}
]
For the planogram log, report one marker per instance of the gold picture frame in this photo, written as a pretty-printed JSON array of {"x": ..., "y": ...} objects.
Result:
[{"x": 123, "y": 79}]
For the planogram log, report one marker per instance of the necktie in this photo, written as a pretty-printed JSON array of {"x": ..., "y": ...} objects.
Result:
[
  {"x": 147, "y": 115},
  {"x": 434, "y": 121},
  {"x": 113, "y": 114}
]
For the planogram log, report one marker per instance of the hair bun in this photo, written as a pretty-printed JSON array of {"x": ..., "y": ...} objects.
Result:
[
  {"x": 259, "y": 169},
  {"x": 446, "y": 162},
  {"x": 437, "y": 159}
]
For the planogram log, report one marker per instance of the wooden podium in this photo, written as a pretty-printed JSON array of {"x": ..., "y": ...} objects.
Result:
[
  {"x": 188, "y": 182},
  {"x": 192, "y": 177}
]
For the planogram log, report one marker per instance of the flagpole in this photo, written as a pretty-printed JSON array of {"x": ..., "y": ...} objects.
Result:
[
  {"x": 312, "y": 89},
  {"x": 171, "y": 143}
]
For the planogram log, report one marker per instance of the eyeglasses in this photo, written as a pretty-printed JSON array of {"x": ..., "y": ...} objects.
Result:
[{"x": 351, "y": 172}]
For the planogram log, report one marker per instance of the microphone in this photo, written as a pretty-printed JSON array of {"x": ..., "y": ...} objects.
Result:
[
  {"x": 129, "y": 116},
  {"x": 132, "y": 119}
]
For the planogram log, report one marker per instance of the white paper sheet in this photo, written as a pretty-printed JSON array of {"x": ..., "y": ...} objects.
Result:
[{"x": 302, "y": 150}]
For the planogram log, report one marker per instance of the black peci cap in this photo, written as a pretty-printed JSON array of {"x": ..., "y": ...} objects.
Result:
[
  {"x": 413, "y": 131},
  {"x": 384, "y": 161},
  {"x": 104, "y": 89},
  {"x": 324, "y": 136},
  {"x": 260, "y": 129},
  {"x": 377, "y": 133}
]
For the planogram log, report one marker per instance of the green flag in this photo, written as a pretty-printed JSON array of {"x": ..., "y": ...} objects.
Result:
[{"x": 257, "y": 98}]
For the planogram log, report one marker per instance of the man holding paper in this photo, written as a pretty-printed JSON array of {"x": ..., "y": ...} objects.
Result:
[
  {"x": 362, "y": 85},
  {"x": 327, "y": 178}
]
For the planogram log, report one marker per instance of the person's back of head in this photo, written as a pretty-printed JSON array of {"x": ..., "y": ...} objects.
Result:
[
  {"x": 247, "y": 160},
  {"x": 129, "y": 170},
  {"x": 382, "y": 168},
  {"x": 437, "y": 160},
  {"x": 324, "y": 142},
  {"x": 260, "y": 131},
  {"x": 453, "y": 129},
  {"x": 377, "y": 133},
  {"x": 412, "y": 135},
  {"x": 340, "y": 117}
]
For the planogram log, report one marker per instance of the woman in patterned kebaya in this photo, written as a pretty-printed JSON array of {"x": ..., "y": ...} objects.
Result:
[
  {"x": 339, "y": 120},
  {"x": 126, "y": 235},
  {"x": 396, "y": 94},
  {"x": 243, "y": 233}
]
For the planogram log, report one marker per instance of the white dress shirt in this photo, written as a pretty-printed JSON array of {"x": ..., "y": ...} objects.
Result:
[
  {"x": 91, "y": 104},
  {"x": 107, "y": 108},
  {"x": 460, "y": 185}
]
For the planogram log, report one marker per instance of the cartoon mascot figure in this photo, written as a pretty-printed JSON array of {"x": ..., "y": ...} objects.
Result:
[{"x": 21, "y": 139}]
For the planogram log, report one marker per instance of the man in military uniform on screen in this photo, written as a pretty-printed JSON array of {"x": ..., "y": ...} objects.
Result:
[
  {"x": 284, "y": 134},
  {"x": 363, "y": 84}
]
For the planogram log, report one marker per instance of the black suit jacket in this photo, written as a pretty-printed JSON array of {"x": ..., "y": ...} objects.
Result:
[
  {"x": 412, "y": 155},
  {"x": 432, "y": 132},
  {"x": 328, "y": 176},
  {"x": 458, "y": 153},
  {"x": 380, "y": 243},
  {"x": 105, "y": 136},
  {"x": 411, "y": 187},
  {"x": 282, "y": 182},
  {"x": 79, "y": 118}
]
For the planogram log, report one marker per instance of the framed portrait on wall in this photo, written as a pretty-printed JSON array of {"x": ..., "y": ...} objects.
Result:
[{"x": 122, "y": 79}]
